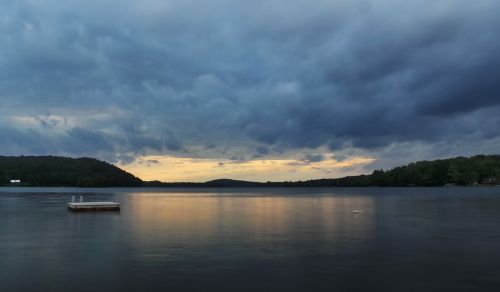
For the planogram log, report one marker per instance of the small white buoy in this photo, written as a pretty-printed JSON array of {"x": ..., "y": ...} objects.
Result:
[{"x": 357, "y": 211}]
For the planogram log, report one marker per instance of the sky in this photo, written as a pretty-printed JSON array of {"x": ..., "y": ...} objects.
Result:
[{"x": 193, "y": 90}]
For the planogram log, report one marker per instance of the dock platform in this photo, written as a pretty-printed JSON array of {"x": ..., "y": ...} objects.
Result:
[{"x": 94, "y": 206}]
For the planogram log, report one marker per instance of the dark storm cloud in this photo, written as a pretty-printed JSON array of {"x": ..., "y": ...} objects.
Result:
[
  {"x": 262, "y": 150},
  {"x": 307, "y": 159},
  {"x": 160, "y": 76},
  {"x": 313, "y": 158}
]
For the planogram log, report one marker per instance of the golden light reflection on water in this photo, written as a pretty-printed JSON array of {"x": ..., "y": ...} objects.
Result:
[{"x": 202, "y": 218}]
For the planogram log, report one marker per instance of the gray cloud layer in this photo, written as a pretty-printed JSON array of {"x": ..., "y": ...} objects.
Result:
[{"x": 116, "y": 79}]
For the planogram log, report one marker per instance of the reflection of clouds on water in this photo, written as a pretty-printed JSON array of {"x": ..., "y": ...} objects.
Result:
[
  {"x": 263, "y": 240},
  {"x": 260, "y": 223},
  {"x": 337, "y": 214},
  {"x": 172, "y": 216}
]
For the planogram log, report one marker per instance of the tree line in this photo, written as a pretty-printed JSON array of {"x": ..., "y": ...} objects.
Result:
[
  {"x": 460, "y": 171},
  {"x": 54, "y": 171}
]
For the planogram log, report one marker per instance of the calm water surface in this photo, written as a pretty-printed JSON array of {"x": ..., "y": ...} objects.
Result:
[{"x": 408, "y": 239}]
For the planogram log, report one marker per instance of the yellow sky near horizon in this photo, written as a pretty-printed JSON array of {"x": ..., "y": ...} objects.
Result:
[{"x": 176, "y": 169}]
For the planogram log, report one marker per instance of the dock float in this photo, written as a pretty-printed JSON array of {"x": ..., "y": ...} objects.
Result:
[{"x": 93, "y": 206}]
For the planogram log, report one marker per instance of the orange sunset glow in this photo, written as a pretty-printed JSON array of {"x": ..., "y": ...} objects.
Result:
[{"x": 175, "y": 169}]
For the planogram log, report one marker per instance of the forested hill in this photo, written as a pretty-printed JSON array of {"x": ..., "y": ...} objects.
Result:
[
  {"x": 477, "y": 170},
  {"x": 53, "y": 171}
]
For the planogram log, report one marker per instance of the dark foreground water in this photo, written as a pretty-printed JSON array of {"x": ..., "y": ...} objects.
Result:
[{"x": 408, "y": 239}]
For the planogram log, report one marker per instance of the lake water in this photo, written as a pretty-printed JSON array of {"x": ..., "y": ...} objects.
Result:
[{"x": 407, "y": 239}]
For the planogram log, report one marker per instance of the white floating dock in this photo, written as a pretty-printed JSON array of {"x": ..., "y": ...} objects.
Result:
[{"x": 94, "y": 206}]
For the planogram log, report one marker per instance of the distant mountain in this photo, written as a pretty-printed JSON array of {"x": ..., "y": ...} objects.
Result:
[
  {"x": 232, "y": 183},
  {"x": 54, "y": 171},
  {"x": 222, "y": 183}
]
